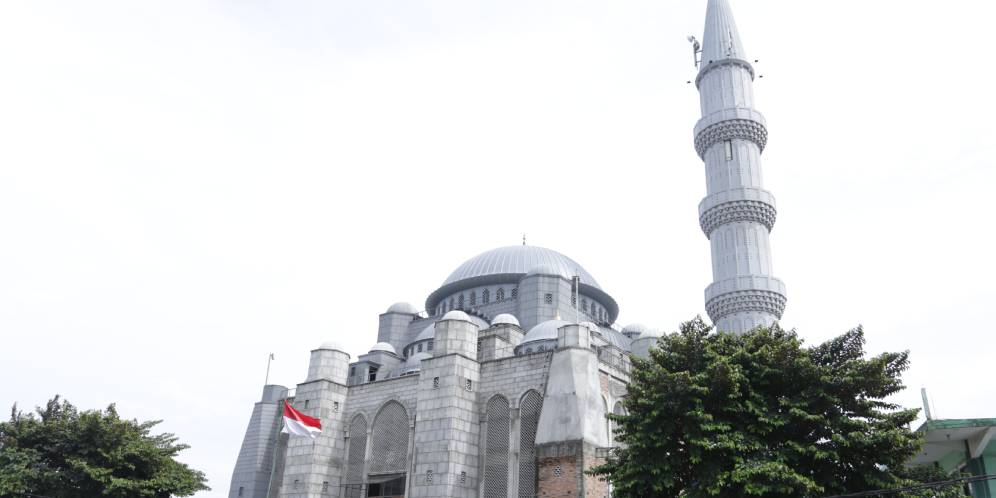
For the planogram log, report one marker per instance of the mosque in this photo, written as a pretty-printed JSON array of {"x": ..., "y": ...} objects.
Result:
[{"x": 500, "y": 385}]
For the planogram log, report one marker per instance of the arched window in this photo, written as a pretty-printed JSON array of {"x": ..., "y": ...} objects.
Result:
[
  {"x": 616, "y": 410},
  {"x": 500, "y": 294},
  {"x": 451, "y": 304},
  {"x": 389, "y": 441},
  {"x": 495, "y": 484},
  {"x": 515, "y": 292},
  {"x": 485, "y": 296},
  {"x": 473, "y": 298},
  {"x": 529, "y": 411},
  {"x": 584, "y": 305},
  {"x": 354, "y": 459},
  {"x": 460, "y": 301}
]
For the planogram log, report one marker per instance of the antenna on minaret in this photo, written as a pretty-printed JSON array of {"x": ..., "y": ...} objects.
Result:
[{"x": 696, "y": 49}]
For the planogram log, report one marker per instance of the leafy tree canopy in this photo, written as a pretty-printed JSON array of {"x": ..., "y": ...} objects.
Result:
[
  {"x": 60, "y": 452},
  {"x": 759, "y": 414}
]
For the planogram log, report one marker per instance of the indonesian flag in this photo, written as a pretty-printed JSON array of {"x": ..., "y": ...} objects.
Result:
[{"x": 299, "y": 424}]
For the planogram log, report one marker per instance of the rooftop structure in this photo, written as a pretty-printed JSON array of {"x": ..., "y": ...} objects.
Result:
[
  {"x": 737, "y": 214},
  {"x": 501, "y": 386}
]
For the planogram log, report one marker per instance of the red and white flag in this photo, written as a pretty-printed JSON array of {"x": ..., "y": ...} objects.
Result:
[{"x": 299, "y": 424}]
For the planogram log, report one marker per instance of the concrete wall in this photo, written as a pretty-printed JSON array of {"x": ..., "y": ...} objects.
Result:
[{"x": 255, "y": 462}]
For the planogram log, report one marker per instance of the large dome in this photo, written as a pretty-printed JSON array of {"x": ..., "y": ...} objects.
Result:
[
  {"x": 518, "y": 260},
  {"x": 509, "y": 265}
]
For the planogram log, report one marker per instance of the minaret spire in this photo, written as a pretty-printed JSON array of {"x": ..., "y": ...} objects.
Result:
[
  {"x": 721, "y": 39},
  {"x": 737, "y": 214}
]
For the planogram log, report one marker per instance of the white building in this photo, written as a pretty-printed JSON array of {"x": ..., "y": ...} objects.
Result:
[{"x": 501, "y": 387}]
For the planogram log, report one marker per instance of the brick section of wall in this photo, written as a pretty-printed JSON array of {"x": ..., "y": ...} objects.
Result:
[
  {"x": 561, "y": 469},
  {"x": 567, "y": 483},
  {"x": 594, "y": 487}
]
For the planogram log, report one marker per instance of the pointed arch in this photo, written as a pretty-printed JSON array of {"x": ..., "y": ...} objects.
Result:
[
  {"x": 529, "y": 411},
  {"x": 618, "y": 409},
  {"x": 495, "y": 482},
  {"x": 389, "y": 439},
  {"x": 356, "y": 450}
]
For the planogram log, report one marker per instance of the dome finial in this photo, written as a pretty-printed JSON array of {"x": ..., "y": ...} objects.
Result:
[{"x": 523, "y": 239}]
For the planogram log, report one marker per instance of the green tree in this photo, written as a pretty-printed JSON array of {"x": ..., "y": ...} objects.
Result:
[
  {"x": 60, "y": 452},
  {"x": 760, "y": 414}
]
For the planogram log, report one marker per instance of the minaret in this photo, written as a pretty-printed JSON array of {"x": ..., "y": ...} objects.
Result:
[{"x": 737, "y": 213}]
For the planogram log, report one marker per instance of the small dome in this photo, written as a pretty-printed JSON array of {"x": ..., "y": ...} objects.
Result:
[
  {"x": 505, "y": 319},
  {"x": 334, "y": 345},
  {"x": 456, "y": 315},
  {"x": 383, "y": 346},
  {"x": 544, "y": 331},
  {"x": 633, "y": 330},
  {"x": 430, "y": 330},
  {"x": 404, "y": 308},
  {"x": 651, "y": 333}
]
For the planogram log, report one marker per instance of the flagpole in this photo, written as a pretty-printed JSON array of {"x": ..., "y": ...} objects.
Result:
[{"x": 268, "y": 360}]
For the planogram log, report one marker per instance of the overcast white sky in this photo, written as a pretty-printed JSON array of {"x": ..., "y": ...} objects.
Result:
[{"x": 186, "y": 186}]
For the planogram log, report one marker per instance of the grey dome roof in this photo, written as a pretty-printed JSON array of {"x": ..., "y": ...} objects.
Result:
[
  {"x": 634, "y": 329},
  {"x": 544, "y": 331},
  {"x": 651, "y": 333},
  {"x": 402, "y": 307},
  {"x": 505, "y": 318},
  {"x": 592, "y": 327},
  {"x": 508, "y": 265},
  {"x": 546, "y": 269},
  {"x": 519, "y": 260},
  {"x": 383, "y": 346}
]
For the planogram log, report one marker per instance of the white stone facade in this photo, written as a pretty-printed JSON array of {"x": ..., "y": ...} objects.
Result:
[
  {"x": 737, "y": 214},
  {"x": 459, "y": 408},
  {"x": 501, "y": 388}
]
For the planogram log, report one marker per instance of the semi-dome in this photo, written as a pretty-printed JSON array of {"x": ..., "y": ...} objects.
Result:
[
  {"x": 505, "y": 319},
  {"x": 402, "y": 307},
  {"x": 427, "y": 333},
  {"x": 651, "y": 333},
  {"x": 544, "y": 331},
  {"x": 383, "y": 346},
  {"x": 414, "y": 363}
]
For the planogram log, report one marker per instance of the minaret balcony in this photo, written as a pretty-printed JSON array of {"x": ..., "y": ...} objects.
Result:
[
  {"x": 731, "y": 206},
  {"x": 729, "y": 124}
]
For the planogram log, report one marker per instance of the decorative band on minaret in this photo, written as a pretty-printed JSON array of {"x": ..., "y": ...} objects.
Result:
[{"x": 737, "y": 214}]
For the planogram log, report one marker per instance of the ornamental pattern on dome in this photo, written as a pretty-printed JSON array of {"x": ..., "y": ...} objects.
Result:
[{"x": 518, "y": 260}]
